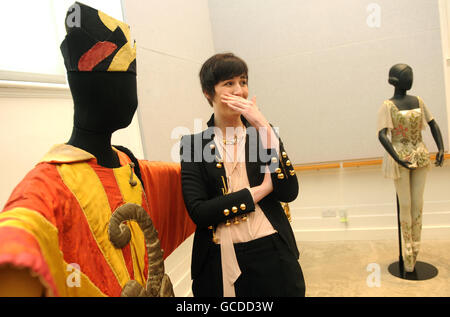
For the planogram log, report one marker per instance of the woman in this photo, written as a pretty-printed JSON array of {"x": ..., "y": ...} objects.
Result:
[{"x": 234, "y": 175}]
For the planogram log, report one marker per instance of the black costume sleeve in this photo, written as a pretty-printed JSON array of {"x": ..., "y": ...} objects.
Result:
[
  {"x": 284, "y": 178},
  {"x": 204, "y": 210}
]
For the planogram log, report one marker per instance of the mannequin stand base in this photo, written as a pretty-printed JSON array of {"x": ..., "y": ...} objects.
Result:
[{"x": 422, "y": 271}]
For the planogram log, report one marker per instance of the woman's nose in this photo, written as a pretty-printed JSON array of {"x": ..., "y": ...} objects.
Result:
[{"x": 237, "y": 90}]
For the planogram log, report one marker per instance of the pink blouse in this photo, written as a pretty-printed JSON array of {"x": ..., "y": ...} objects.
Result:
[{"x": 255, "y": 226}]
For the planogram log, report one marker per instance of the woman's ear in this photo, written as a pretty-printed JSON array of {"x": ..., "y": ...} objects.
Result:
[{"x": 208, "y": 98}]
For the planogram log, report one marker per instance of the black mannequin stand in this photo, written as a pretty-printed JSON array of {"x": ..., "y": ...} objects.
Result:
[{"x": 422, "y": 271}]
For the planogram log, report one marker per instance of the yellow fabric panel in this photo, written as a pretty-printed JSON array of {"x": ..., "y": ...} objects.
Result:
[
  {"x": 137, "y": 246},
  {"x": 123, "y": 58},
  {"x": 66, "y": 153},
  {"x": 130, "y": 194},
  {"x": 85, "y": 185},
  {"x": 46, "y": 234},
  {"x": 133, "y": 194}
]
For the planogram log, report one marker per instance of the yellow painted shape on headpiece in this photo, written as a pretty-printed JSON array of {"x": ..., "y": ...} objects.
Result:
[
  {"x": 112, "y": 24},
  {"x": 123, "y": 59},
  {"x": 127, "y": 53}
]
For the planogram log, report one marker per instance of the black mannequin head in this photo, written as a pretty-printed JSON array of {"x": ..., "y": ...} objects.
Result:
[
  {"x": 100, "y": 59},
  {"x": 401, "y": 76},
  {"x": 103, "y": 101}
]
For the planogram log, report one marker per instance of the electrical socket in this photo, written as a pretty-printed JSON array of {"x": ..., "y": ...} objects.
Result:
[{"x": 329, "y": 213}]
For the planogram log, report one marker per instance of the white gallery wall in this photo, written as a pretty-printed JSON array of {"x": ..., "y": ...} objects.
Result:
[
  {"x": 29, "y": 127},
  {"x": 173, "y": 38},
  {"x": 444, "y": 13}
]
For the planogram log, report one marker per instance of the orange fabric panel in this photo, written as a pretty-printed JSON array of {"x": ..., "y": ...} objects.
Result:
[
  {"x": 162, "y": 182},
  {"x": 40, "y": 190}
]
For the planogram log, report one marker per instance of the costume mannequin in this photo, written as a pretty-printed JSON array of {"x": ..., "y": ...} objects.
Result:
[
  {"x": 87, "y": 204},
  {"x": 404, "y": 116}
]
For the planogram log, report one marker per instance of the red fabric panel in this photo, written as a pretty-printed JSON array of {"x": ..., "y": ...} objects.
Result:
[{"x": 95, "y": 55}]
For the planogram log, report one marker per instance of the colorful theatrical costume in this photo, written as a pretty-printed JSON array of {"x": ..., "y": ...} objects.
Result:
[
  {"x": 84, "y": 229},
  {"x": 56, "y": 221},
  {"x": 405, "y": 127},
  {"x": 406, "y": 133}
]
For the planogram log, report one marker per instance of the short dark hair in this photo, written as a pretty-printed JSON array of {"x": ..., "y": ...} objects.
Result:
[{"x": 220, "y": 67}]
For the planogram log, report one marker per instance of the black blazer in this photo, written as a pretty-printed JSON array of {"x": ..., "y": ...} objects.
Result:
[{"x": 204, "y": 187}]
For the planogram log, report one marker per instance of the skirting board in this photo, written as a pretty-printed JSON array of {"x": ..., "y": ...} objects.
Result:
[
  {"x": 365, "y": 222},
  {"x": 391, "y": 233}
]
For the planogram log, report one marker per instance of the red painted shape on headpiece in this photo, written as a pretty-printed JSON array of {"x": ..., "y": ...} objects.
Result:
[{"x": 95, "y": 55}]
